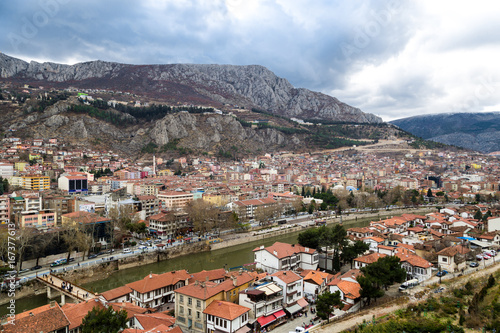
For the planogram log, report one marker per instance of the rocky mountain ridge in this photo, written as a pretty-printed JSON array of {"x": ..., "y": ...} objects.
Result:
[
  {"x": 478, "y": 131},
  {"x": 248, "y": 86}
]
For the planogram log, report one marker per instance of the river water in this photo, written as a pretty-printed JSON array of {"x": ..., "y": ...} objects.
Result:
[{"x": 231, "y": 257}]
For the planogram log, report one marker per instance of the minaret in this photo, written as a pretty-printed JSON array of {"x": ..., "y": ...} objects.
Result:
[{"x": 154, "y": 165}]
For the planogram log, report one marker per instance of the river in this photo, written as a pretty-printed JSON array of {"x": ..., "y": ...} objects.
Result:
[{"x": 229, "y": 257}]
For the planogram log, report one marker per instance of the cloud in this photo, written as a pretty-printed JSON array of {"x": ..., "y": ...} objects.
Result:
[{"x": 391, "y": 58}]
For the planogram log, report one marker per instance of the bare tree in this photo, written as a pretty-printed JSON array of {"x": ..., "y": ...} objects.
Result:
[
  {"x": 203, "y": 215},
  {"x": 24, "y": 239}
]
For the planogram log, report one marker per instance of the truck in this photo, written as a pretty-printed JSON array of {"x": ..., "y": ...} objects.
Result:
[{"x": 408, "y": 284}]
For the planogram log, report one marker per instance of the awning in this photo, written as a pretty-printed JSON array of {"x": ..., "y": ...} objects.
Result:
[
  {"x": 263, "y": 321},
  {"x": 279, "y": 314},
  {"x": 294, "y": 308},
  {"x": 302, "y": 302}
]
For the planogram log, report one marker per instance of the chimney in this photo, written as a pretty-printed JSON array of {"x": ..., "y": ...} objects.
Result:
[
  {"x": 262, "y": 247},
  {"x": 196, "y": 282},
  {"x": 206, "y": 278},
  {"x": 275, "y": 253},
  {"x": 52, "y": 304},
  {"x": 150, "y": 275}
]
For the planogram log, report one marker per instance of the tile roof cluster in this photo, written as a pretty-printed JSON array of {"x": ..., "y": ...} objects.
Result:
[
  {"x": 155, "y": 281},
  {"x": 283, "y": 250},
  {"x": 45, "y": 318}
]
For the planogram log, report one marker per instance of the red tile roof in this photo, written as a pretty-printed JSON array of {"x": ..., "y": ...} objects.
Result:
[
  {"x": 225, "y": 310},
  {"x": 154, "y": 281},
  {"x": 45, "y": 318},
  {"x": 283, "y": 250}
]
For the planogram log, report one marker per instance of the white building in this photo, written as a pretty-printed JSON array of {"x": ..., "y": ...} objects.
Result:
[
  {"x": 293, "y": 290},
  {"x": 227, "y": 317},
  {"x": 283, "y": 256}
]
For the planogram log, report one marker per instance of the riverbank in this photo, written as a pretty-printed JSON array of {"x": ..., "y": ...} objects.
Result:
[{"x": 107, "y": 269}]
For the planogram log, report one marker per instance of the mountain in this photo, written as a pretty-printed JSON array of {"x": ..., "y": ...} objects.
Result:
[
  {"x": 478, "y": 131},
  {"x": 216, "y": 85}
]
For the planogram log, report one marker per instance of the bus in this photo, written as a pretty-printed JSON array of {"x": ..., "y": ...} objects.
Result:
[{"x": 408, "y": 284}]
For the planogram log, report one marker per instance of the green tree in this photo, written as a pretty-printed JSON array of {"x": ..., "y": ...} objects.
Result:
[
  {"x": 310, "y": 237},
  {"x": 104, "y": 320},
  {"x": 385, "y": 271},
  {"x": 352, "y": 251},
  {"x": 429, "y": 193},
  {"x": 370, "y": 289},
  {"x": 335, "y": 238},
  {"x": 478, "y": 215},
  {"x": 326, "y": 304}
]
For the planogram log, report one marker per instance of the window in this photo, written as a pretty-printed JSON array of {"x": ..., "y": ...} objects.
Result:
[
  {"x": 198, "y": 303},
  {"x": 198, "y": 316},
  {"x": 181, "y": 308},
  {"x": 190, "y": 301},
  {"x": 189, "y": 312},
  {"x": 444, "y": 259}
]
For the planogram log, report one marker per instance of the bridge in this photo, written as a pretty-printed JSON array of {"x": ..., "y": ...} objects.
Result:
[{"x": 65, "y": 288}]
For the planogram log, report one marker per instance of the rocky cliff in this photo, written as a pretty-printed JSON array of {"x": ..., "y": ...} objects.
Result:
[
  {"x": 249, "y": 86},
  {"x": 196, "y": 132}
]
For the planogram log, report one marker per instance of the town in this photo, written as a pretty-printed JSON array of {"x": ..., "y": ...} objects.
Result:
[{"x": 68, "y": 206}]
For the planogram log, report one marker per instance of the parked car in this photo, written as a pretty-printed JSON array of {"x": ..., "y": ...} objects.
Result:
[
  {"x": 110, "y": 251},
  {"x": 127, "y": 250},
  {"x": 36, "y": 267},
  {"x": 479, "y": 257},
  {"x": 486, "y": 257},
  {"x": 473, "y": 264},
  {"x": 441, "y": 273},
  {"x": 92, "y": 256}
]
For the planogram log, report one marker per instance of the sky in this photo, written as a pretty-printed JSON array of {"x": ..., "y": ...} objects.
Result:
[{"x": 394, "y": 58}]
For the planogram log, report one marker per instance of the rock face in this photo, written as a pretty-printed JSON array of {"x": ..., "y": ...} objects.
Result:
[
  {"x": 198, "y": 132},
  {"x": 249, "y": 86},
  {"x": 477, "y": 131}
]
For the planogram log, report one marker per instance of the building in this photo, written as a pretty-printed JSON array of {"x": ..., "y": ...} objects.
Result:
[
  {"x": 363, "y": 261},
  {"x": 226, "y": 317},
  {"x": 150, "y": 204},
  {"x": 293, "y": 290},
  {"x": 174, "y": 200},
  {"x": 6, "y": 170},
  {"x": 35, "y": 182},
  {"x": 73, "y": 182},
  {"x": 157, "y": 289},
  {"x": 169, "y": 224},
  {"x": 4, "y": 209},
  {"x": 283, "y": 256},
  {"x": 40, "y": 220},
  {"x": 48, "y": 318},
  {"x": 57, "y": 204},
  {"x": 193, "y": 299},
  {"x": 93, "y": 224},
  {"x": 265, "y": 303},
  {"x": 246, "y": 209}
]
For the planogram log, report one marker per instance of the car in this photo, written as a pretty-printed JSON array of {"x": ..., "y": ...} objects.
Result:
[
  {"x": 58, "y": 262},
  {"x": 92, "y": 256},
  {"x": 127, "y": 250},
  {"x": 479, "y": 257},
  {"x": 441, "y": 273},
  {"x": 485, "y": 257},
  {"x": 439, "y": 290},
  {"x": 24, "y": 270},
  {"x": 473, "y": 264},
  {"x": 142, "y": 247},
  {"x": 36, "y": 267},
  {"x": 71, "y": 259},
  {"x": 110, "y": 251}
]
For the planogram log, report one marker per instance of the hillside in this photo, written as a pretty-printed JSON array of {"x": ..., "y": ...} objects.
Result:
[
  {"x": 214, "y": 85},
  {"x": 171, "y": 131},
  {"x": 476, "y": 131}
]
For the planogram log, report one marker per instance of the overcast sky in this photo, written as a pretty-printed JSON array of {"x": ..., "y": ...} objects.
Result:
[{"x": 394, "y": 59}]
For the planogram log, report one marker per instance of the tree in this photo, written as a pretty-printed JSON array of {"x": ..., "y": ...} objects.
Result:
[
  {"x": 335, "y": 238},
  {"x": 429, "y": 193},
  {"x": 24, "y": 239},
  {"x": 75, "y": 238},
  {"x": 478, "y": 215},
  {"x": 385, "y": 271},
  {"x": 203, "y": 215},
  {"x": 310, "y": 237},
  {"x": 104, "y": 320},
  {"x": 369, "y": 288},
  {"x": 326, "y": 304},
  {"x": 351, "y": 252}
]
